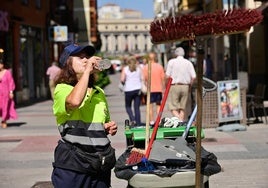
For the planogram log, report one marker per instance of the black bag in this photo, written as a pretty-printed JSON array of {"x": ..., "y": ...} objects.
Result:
[
  {"x": 123, "y": 171},
  {"x": 71, "y": 157},
  {"x": 209, "y": 165},
  {"x": 209, "y": 162}
]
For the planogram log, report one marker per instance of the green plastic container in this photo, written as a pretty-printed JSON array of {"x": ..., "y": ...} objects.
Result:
[{"x": 136, "y": 136}]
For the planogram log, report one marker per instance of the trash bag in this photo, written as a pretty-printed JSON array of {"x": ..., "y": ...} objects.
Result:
[
  {"x": 127, "y": 171},
  {"x": 209, "y": 163},
  {"x": 167, "y": 167},
  {"x": 123, "y": 171}
]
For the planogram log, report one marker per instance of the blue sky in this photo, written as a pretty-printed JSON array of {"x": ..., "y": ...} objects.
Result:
[{"x": 145, "y": 6}]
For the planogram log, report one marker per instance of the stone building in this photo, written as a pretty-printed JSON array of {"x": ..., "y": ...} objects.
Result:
[
  {"x": 119, "y": 36},
  {"x": 123, "y": 31}
]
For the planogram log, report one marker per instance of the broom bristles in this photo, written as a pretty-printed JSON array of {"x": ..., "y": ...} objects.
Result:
[
  {"x": 135, "y": 156},
  {"x": 187, "y": 27}
]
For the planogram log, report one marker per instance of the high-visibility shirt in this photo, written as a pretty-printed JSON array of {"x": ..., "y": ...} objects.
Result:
[{"x": 84, "y": 125}]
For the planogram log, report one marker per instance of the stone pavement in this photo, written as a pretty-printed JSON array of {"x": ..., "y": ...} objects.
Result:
[{"x": 27, "y": 146}]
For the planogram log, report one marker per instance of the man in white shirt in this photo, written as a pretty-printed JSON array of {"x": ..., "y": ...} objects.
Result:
[{"x": 183, "y": 74}]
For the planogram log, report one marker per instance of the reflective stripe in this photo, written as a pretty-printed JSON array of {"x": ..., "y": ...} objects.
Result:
[
  {"x": 86, "y": 140},
  {"x": 80, "y": 124},
  {"x": 88, "y": 134}
]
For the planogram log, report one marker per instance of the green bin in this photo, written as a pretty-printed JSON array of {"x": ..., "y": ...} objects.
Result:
[{"x": 136, "y": 136}]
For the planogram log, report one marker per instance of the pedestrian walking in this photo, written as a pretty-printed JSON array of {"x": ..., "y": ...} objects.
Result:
[
  {"x": 131, "y": 77},
  {"x": 7, "y": 87},
  {"x": 144, "y": 61},
  {"x": 227, "y": 67},
  {"x": 208, "y": 67},
  {"x": 183, "y": 74},
  {"x": 84, "y": 156},
  {"x": 52, "y": 71},
  {"x": 157, "y": 85}
]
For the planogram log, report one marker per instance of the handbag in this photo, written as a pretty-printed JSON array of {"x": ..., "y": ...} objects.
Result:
[
  {"x": 99, "y": 161},
  {"x": 143, "y": 88},
  {"x": 69, "y": 156},
  {"x": 121, "y": 86}
]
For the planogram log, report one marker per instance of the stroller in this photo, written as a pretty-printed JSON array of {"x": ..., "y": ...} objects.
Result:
[{"x": 172, "y": 158}]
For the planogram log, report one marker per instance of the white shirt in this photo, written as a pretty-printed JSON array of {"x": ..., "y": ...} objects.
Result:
[
  {"x": 133, "y": 79},
  {"x": 180, "y": 70}
]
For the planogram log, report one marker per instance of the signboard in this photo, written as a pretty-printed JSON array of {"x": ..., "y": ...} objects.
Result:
[
  {"x": 58, "y": 33},
  {"x": 229, "y": 108}
]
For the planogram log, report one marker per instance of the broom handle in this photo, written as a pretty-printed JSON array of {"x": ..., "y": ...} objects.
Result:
[
  {"x": 148, "y": 100},
  {"x": 149, "y": 148}
]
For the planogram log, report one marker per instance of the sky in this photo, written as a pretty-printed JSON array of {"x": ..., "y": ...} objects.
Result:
[{"x": 145, "y": 6}]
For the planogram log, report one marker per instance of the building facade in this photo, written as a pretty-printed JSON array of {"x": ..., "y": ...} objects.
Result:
[
  {"x": 247, "y": 50},
  {"x": 121, "y": 36},
  {"x": 23, "y": 35},
  {"x": 123, "y": 31},
  {"x": 27, "y": 39}
]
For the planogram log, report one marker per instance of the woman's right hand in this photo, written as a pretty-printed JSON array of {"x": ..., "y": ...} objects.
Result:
[{"x": 91, "y": 63}]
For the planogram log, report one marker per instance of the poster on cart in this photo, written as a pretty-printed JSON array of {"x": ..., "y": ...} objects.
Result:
[{"x": 229, "y": 108}]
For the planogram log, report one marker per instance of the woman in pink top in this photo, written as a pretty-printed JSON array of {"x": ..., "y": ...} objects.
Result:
[{"x": 7, "y": 104}]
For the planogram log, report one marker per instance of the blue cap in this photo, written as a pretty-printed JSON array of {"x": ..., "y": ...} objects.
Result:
[{"x": 73, "y": 49}]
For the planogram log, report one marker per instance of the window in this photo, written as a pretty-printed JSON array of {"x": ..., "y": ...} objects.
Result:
[
  {"x": 25, "y": 2},
  {"x": 38, "y": 4}
]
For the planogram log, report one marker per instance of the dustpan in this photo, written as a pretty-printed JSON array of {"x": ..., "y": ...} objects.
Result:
[{"x": 167, "y": 151}]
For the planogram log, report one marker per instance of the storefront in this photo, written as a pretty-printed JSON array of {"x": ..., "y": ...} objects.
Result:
[
  {"x": 25, "y": 48},
  {"x": 31, "y": 61}
]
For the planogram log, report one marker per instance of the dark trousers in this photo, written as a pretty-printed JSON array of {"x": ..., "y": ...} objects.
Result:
[
  {"x": 62, "y": 178},
  {"x": 133, "y": 96}
]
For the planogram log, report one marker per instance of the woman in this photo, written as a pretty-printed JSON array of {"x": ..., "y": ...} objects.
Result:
[
  {"x": 7, "y": 87},
  {"x": 157, "y": 85},
  {"x": 131, "y": 76},
  {"x": 84, "y": 156}
]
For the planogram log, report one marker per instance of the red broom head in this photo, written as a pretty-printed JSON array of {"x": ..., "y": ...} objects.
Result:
[
  {"x": 135, "y": 156},
  {"x": 187, "y": 27}
]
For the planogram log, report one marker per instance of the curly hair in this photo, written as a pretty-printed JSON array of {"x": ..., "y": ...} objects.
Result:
[{"x": 68, "y": 75}]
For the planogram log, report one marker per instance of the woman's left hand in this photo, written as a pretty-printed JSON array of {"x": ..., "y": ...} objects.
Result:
[
  {"x": 110, "y": 128},
  {"x": 11, "y": 95}
]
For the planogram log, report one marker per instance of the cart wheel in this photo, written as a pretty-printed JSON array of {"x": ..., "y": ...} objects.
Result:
[{"x": 206, "y": 184}]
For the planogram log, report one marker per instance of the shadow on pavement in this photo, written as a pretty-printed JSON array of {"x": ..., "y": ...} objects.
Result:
[
  {"x": 43, "y": 184},
  {"x": 15, "y": 124}
]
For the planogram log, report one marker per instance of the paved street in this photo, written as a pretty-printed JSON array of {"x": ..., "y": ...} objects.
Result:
[{"x": 27, "y": 146}]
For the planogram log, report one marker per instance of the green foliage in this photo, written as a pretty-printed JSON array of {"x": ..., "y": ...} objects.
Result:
[{"x": 103, "y": 79}]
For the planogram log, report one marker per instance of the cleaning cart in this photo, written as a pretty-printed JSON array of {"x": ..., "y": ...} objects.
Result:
[{"x": 172, "y": 158}]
